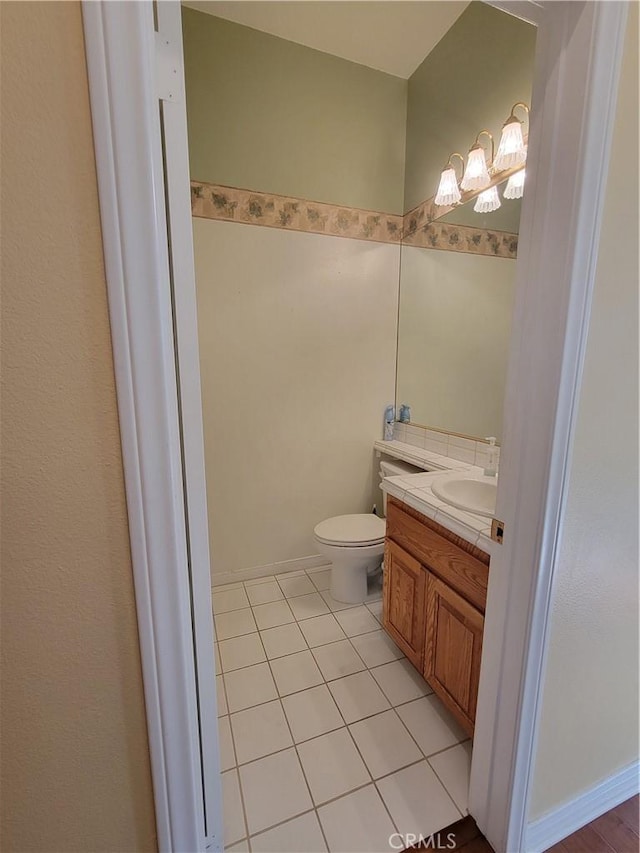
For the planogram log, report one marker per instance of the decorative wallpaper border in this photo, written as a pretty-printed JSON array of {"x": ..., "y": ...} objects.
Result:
[
  {"x": 416, "y": 228},
  {"x": 463, "y": 238},
  {"x": 421, "y": 228},
  {"x": 212, "y": 201}
]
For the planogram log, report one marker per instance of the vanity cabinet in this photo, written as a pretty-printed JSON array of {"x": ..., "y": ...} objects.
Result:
[{"x": 435, "y": 589}]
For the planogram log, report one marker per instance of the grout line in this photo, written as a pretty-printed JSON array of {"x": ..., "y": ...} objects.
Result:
[
  {"x": 304, "y": 775},
  {"x": 445, "y": 787},
  {"x": 327, "y": 682}
]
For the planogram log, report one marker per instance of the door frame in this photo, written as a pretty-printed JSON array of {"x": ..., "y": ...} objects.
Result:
[{"x": 133, "y": 64}]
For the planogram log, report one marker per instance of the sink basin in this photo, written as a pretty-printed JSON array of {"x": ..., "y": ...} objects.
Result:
[{"x": 474, "y": 494}]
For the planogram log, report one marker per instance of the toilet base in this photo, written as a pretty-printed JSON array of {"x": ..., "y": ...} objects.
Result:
[{"x": 349, "y": 570}]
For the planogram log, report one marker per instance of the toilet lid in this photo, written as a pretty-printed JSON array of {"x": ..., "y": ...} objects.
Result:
[{"x": 363, "y": 529}]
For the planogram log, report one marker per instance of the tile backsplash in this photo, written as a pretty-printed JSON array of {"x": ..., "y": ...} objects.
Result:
[{"x": 444, "y": 443}]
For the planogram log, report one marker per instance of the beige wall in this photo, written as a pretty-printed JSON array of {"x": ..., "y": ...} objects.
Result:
[
  {"x": 75, "y": 764},
  {"x": 267, "y": 114},
  {"x": 589, "y": 722},
  {"x": 297, "y": 338},
  {"x": 454, "y": 328}
]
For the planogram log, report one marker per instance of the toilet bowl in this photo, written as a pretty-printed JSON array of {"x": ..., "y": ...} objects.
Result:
[{"x": 354, "y": 544}]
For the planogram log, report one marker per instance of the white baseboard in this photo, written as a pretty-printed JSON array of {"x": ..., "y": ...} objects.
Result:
[
  {"x": 558, "y": 824},
  {"x": 297, "y": 565}
]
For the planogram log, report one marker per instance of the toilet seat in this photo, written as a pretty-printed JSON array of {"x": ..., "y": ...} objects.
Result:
[{"x": 351, "y": 531}]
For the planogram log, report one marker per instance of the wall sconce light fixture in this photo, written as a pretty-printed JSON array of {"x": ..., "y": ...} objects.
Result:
[
  {"x": 515, "y": 185},
  {"x": 476, "y": 175},
  {"x": 512, "y": 150},
  {"x": 487, "y": 201},
  {"x": 448, "y": 190}
]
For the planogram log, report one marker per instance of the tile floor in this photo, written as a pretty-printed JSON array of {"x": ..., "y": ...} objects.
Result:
[{"x": 329, "y": 738}]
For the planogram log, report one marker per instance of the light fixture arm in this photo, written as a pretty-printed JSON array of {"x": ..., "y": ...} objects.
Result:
[
  {"x": 450, "y": 164},
  {"x": 477, "y": 144},
  {"x": 514, "y": 117}
]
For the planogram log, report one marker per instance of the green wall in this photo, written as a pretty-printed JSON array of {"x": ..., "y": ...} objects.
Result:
[
  {"x": 469, "y": 81},
  {"x": 268, "y": 114}
]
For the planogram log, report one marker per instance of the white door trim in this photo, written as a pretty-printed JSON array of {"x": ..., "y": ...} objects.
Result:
[
  {"x": 125, "y": 80},
  {"x": 574, "y": 97},
  {"x": 578, "y": 55}
]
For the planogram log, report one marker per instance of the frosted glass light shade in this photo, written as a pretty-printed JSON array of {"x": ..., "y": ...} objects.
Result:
[
  {"x": 487, "y": 201},
  {"x": 515, "y": 185},
  {"x": 511, "y": 151},
  {"x": 476, "y": 175},
  {"x": 448, "y": 192}
]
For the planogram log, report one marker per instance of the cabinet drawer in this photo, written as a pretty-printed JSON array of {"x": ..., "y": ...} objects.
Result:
[{"x": 462, "y": 571}]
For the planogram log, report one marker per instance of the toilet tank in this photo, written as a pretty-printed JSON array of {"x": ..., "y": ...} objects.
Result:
[{"x": 394, "y": 468}]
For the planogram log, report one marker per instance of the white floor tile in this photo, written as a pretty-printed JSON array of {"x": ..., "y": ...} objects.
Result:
[
  {"x": 217, "y": 657},
  {"x": 264, "y": 593},
  {"x": 274, "y": 790},
  {"x": 337, "y": 660},
  {"x": 283, "y": 640},
  {"x": 307, "y": 606},
  {"x": 234, "y": 828},
  {"x": 295, "y": 672},
  {"x": 357, "y": 823},
  {"x": 417, "y": 801},
  {"x": 250, "y": 686},
  {"x": 221, "y": 696},
  {"x": 322, "y": 630},
  {"x": 332, "y": 765},
  {"x": 358, "y": 696},
  {"x": 321, "y": 580},
  {"x": 273, "y": 614},
  {"x": 299, "y": 585},
  {"x": 376, "y": 648},
  {"x": 229, "y": 599},
  {"x": 400, "y": 681},
  {"x": 240, "y": 847},
  {"x": 300, "y": 834},
  {"x": 241, "y": 651},
  {"x": 384, "y": 743},
  {"x": 454, "y": 767},
  {"x": 334, "y": 605},
  {"x": 311, "y": 713},
  {"x": 235, "y": 623},
  {"x": 376, "y": 610},
  {"x": 356, "y": 621},
  {"x": 431, "y": 724},
  {"x": 260, "y": 731},
  {"x": 227, "y": 755}
]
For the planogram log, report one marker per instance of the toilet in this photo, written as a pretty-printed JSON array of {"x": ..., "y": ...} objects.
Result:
[{"x": 354, "y": 544}]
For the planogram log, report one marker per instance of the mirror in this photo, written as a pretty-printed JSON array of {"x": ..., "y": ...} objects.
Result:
[{"x": 457, "y": 272}]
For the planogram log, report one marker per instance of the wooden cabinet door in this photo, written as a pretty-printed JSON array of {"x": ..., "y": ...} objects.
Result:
[
  {"x": 404, "y": 601},
  {"x": 453, "y": 646}
]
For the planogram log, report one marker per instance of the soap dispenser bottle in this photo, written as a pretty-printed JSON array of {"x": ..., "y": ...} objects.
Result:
[
  {"x": 389, "y": 418},
  {"x": 492, "y": 457}
]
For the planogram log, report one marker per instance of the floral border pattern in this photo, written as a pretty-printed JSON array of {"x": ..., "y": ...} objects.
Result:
[
  {"x": 416, "y": 228},
  {"x": 463, "y": 238},
  {"x": 212, "y": 201}
]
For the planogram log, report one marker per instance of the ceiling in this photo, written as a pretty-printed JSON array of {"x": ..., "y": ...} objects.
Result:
[{"x": 389, "y": 36}]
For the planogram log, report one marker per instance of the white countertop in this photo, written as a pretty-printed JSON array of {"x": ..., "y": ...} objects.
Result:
[
  {"x": 420, "y": 458},
  {"x": 415, "y": 491}
]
